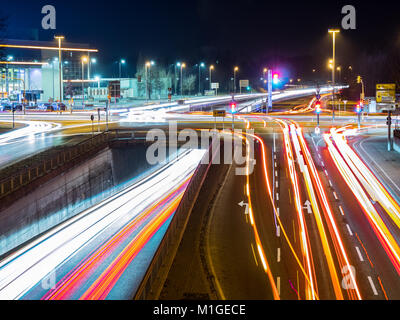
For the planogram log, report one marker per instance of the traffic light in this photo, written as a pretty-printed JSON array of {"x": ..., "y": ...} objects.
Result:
[
  {"x": 359, "y": 108},
  {"x": 318, "y": 106},
  {"x": 233, "y": 107},
  {"x": 275, "y": 78}
]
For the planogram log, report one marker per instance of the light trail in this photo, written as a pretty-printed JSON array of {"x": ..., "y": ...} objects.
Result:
[
  {"x": 338, "y": 154},
  {"x": 25, "y": 268},
  {"x": 31, "y": 128},
  {"x": 305, "y": 243},
  {"x": 307, "y": 168}
]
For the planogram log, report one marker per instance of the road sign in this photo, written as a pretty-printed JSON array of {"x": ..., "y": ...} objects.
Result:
[
  {"x": 386, "y": 93},
  {"x": 243, "y": 83},
  {"x": 219, "y": 113},
  {"x": 214, "y": 85}
]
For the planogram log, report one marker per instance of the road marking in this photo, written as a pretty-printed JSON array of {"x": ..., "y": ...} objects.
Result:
[
  {"x": 254, "y": 254},
  {"x": 326, "y": 172},
  {"x": 277, "y": 212},
  {"x": 275, "y": 156},
  {"x": 277, "y": 184},
  {"x": 276, "y": 164},
  {"x": 294, "y": 232},
  {"x": 334, "y": 194},
  {"x": 372, "y": 286},
  {"x": 322, "y": 163},
  {"x": 319, "y": 156},
  {"x": 348, "y": 228},
  {"x": 359, "y": 254},
  {"x": 330, "y": 183},
  {"x": 277, "y": 196},
  {"x": 276, "y": 173},
  {"x": 278, "y": 231},
  {"x": 278, "y": 284},
  {"x": 341, "y": 210},
  {"x": 279, "y": 255}
]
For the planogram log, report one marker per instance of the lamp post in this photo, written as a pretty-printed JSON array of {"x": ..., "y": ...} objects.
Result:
[
  {"x": 201, "y": 65},
  {"x": 121, "y": 62},
  {"x": 147, "y": 70},
  {"x": 84, "y": 60},
  {"x": 183, "y": 65},
  {"x": 236, "y": 69},
  {"x": 333, "y": 32},
  {"x": 59, "y": 39},
  {"x": 211, "y": 69}
]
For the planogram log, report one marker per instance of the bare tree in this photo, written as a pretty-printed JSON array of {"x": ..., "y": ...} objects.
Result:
[{"x": 189, "y": 83}]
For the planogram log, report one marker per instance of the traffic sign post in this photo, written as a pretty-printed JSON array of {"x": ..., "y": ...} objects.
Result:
[
  {"x": 269, "y": 90},
  {"x": 389, "y": 124},
  {"x": 98, "y": 119},
  {"x": 92, "y": 119}
]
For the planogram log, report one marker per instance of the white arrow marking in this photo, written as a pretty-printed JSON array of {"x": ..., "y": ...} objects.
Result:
[
  {"x": 307, "y": 206},
  {"x": 242, "y": 203}
]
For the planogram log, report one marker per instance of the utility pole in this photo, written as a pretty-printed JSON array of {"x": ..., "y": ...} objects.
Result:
[
  {"x": 59, "y": 39},
  {"x": 333, "y": 32},
  {"x": 269, "y": 90}
]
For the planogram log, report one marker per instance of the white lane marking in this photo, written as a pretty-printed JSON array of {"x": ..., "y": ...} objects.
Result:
[
  {"x": 330, "y": 183},
  {"x": 277, "y": 212},
  {"x": 372, "y": 286},
  {"x": 359, "y": 254},
  {"x": 334, "y": 194},
  {"x": 278, "y": 284},
  {"x": 326, "y": 172},
  {"x": 319, "y": 156},
  {"x": 274, "y": 156},
  {"x": 278, "y": 231},
  {"x": 276, "y": 173},
  {"x": 277, "y": 184},
  {"x": 276, "y": 164},
  {"x": 279, "y": 255},
  {"x": 277, "y": 196},
  {"x": 348, "y": 228},
  {"x": 254, "y": 254},
  {"x": 341, "y": 210},
  {"x": 322, "y": 163}
]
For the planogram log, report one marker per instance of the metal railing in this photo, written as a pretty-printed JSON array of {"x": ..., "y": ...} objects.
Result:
[{"x": 68, "y": 154}]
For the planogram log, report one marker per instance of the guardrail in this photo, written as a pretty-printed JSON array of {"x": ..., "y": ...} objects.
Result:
[
  {"x": 69, "y": 154},
  {"x": 168, "y": 247}
]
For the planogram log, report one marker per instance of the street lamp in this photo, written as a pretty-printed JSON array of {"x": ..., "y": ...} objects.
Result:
[
  {"x": 84, "y": 60},
  {"x": 339, "y": 68},
  {"x": 121, "y": 62},
  {"x": 236, "y": 69},
  {"x": 182, "y": 65},
  {"x": 59, "y": 39},
  {"x": 211, "y": 69},
  {"x": 333, "y": 32},
  {"x": 201, "y": 65},
  {"x": 147, "y": 70}
]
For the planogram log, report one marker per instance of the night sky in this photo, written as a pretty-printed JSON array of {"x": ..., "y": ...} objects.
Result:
[{"x": 249, "y": 33}]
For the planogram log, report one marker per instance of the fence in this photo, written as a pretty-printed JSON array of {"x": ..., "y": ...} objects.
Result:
[{"x": 43, "y": 167}]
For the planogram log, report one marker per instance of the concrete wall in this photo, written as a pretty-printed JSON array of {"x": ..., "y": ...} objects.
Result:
[{"x": 56, "y": 201}]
